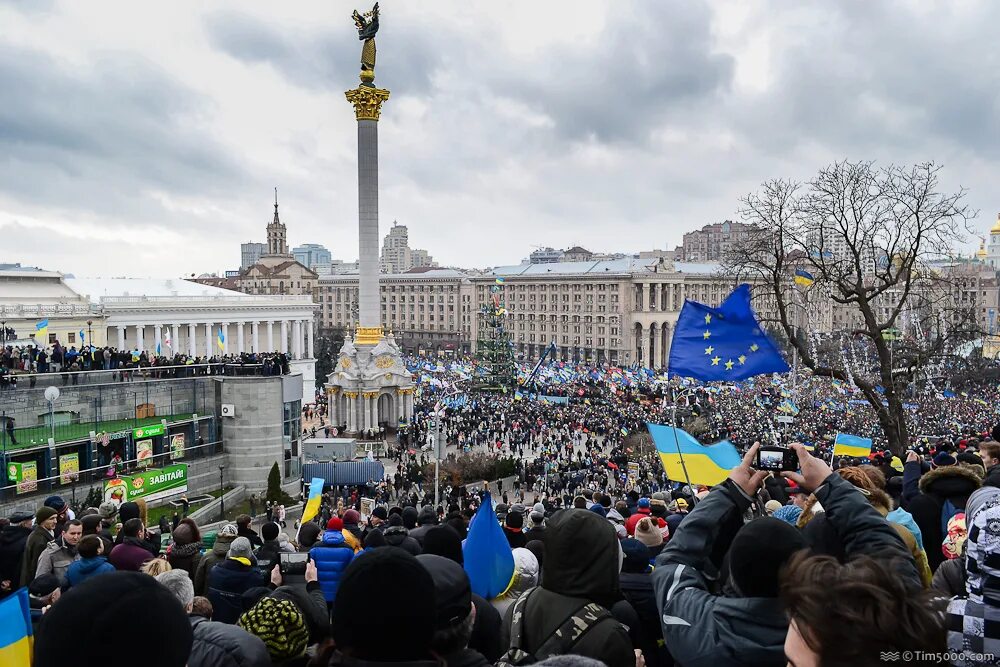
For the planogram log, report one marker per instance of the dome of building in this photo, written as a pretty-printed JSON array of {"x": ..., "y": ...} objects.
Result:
[
  {"x": 981, "y": 253},
  {"x": 996, "y": 227}
]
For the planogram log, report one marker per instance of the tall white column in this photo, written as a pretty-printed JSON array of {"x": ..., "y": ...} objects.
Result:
[
  {"x": 351, "y": 413},
  {"x": 309, "y": 340},
  {"x": 239, "y": 337},
  {"x": 192, "y": 350},
  {"x": 121, "y": 338},
  {"x": 140, "y": 337},
  {"x": 224, "y": 328},
  {"x": 296, "y": 339},
  {"x": 270, "y": 336},
  {"x": 255, "y": 337},
  {"x": 209, "y": 340},
  {"x": 283, "y": 343}
]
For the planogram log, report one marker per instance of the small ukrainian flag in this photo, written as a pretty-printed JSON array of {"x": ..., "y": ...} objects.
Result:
[
  {"x": 804, "y": 278},
  {"x": 499, "y": 280},
  {"x": 15, "y": 629},
  {"x": 221, "y": 340},
  {"x": 42, "y": 333},
  {"x": 852, "y": 445}
]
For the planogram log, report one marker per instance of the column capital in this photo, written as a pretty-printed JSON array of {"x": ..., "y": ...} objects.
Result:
[{"x": 367, "y": 102}]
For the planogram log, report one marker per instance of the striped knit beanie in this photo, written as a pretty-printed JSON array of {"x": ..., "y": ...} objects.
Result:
[{"x": 280, "y": 625}]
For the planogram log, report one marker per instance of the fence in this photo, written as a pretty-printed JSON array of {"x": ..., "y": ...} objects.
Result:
[{"x": 65, "y": 378}]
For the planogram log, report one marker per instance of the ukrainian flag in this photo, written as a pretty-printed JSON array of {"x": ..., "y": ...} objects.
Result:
[
  {"x": 487, "y": 555},
  {"x": 707, "y": 465},
  {"x": 220, "y": 340},
  {"x": 15, "y": 629},
  {"x": 499, "y": 280},
  {"x": 311, "y": 509},
  {"x": 804, "y": 278},
  {"x": 42, "y": 333},
  {"x": 852, "y": 445}
]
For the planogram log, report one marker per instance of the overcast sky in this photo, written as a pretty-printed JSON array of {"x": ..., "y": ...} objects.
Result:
[{"x": 144, "y": 139}]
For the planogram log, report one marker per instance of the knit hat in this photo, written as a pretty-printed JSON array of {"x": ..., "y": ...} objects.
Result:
[
  {"x": 108, "y": 510},
  {"x": 636, "y": 556},
  {"x": 501, "y": 511},
  {"x": 55, "y": 502},
  {"x": 514, "y": 520},
  {"x": 240, "y": 548},
  {"x": 409, "y": 516},
  {"x": 444, "y": 541},
  {"x": 375, "y": 539},
  {"x": 352, "y": 516},
  {"x": 270, "y": 530},
  {"x": 229, "y": 530},
  {"x": 788, "y": 513},
  {"x": 44, "y": 513},
  {"x": 599, "y": 510},
  {"x": 517, "y": 507},
  {"x": 43, "y": 585},
  {"x": 380, "y": 513},
  {"x": 129, "y": 602},
  {"x": 771, "y": 506},
  {"x": 335, "y": 523},
  {"x": 540, "y": 508},
  {"x": 759, "y": 552},
  {"x": 372, "y": 578},
  {"x": 451, "y": 588},
  {"x": 537, "y": 518},
  {"x": 280, "y": 625},
  {"x": 660, "y": 496},
  {"x": 644, "y": 503},
  {"x": 309, "y": 533},
  {"x": 648, "y": 533},
  {"x": 427, "y": 516},
  {"x": 944, "y": 459}
]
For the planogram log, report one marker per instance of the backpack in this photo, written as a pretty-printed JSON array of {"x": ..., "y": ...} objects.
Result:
[{"x": 561, "y": 641}]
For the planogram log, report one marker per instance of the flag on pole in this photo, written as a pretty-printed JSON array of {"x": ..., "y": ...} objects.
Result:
[
  {"x": 157, "y": 348},
  {"x": 82, "y": 337},
  {"x": 499, "y": 280},
  {"x": 220, "y": 340},
  {"x": 705, "y": 464},
  {"x": 311, "y": 509},
  {"x": 852, "y": 445},
  {"x": 15, "y": 629},
  {"x": 804, "y": 278},
  {"x": 167, "y": 340},
  {"x": 487, "y": 555},
  {"x": 724, "y": 343},
  {"x": 42, "y": 333}
]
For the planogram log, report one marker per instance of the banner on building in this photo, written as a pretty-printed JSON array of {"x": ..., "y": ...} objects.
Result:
[
  {"x": 149, "y": 431},
  {"x": 177, "y": 446},
  {"x": 144, "y": 453},
  {"x": 69, "y": 467},
  {"x": 149, "y": 484}
]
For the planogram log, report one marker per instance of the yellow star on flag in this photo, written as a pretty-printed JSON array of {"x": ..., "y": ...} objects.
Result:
[
  {"x": 742, "y": 359},
  {"x": 707, "y": 335},
  {"x": 754, "y": 347},
  {"x": 716, "y": 360},
  {"x": 729, "y": 365},
  {"x": 708, "y": 318},
  {"x": 709, "y": 350}
]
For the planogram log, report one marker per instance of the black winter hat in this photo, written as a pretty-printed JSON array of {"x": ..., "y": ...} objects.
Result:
[
  {"x": 375, "y": 539},
  {"x": 380, "y": 513},
  {"x": 129, "y": 602},
  {"x": 636, "y": 556},
  {"x": 309, "y": 533},
  {"x": 372, "y": 578},
  {"x": 269, "y": 531},
  {"x": 410, "y": 517},
  {"x": 427, "y": 516},
  {"x": 759, "y": 552},
  {"x": 452, "y": 588},
  {"x": 514, "y": 520},
  {"x": 444, "y": 541}
]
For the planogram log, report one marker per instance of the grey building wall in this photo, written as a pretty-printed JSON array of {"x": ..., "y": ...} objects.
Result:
[{"x": 253, "y": 438}]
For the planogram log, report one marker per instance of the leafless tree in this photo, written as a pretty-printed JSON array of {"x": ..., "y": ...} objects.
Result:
[{"x": 876, "y": 242}]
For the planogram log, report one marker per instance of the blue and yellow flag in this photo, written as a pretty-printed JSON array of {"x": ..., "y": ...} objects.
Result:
[
  {"x": 852, "y": 445},
  {"x": 488, "y": 558},
  {"x": 804, "y": 278},
  {"x": 705, "y": 464},
  {"x": 723, "y": 343},
  {"x": 42, "y": 333},
  {"x": 499, "y": 280},
  {"x": 15, "y": 629},
  {"x": 220, "y": 340},
  {"x": 311, "y": 509}
]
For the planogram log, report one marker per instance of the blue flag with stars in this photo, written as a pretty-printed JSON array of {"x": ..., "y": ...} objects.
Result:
[{"x": 723, "y": 343}]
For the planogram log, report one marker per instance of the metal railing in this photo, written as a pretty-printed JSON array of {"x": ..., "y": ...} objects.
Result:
[{"x": 66, "y": 378}]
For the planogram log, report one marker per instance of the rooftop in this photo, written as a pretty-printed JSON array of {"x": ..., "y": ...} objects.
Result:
[{"x": 96, "y": 288}]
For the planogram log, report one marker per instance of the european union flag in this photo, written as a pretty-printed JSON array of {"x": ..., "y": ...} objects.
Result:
[{"x": 723, "y": 343}]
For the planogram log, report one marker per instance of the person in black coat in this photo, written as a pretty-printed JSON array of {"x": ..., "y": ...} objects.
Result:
[
  {"x": 12, "y": 544},
  {"x": 637, "y": 587},
  {"x": 230, "y": 579},
  {"x": 953, "y": 483}
]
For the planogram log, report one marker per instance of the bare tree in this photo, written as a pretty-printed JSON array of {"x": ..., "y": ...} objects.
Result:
[{"x": 876, "y": 243}]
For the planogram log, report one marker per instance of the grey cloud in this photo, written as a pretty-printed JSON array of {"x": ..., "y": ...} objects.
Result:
[{"x": 100, "y": 139}]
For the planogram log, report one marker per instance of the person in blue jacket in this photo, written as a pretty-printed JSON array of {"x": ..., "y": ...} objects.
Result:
[
  {"x": 92, "y": 561},
  {"x": 331, "y": 555}
]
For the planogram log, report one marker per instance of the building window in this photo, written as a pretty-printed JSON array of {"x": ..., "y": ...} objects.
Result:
[{"x": 71, "y": 337}]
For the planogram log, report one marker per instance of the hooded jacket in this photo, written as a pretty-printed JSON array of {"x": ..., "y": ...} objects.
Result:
[
  {"x": 954, "y": 483},
  {"x": 56, "y": 559},
  {"x": 218, "y": 554},
  {"x": 332, "y": 555},
  {"x": 12, "y": 547},
  {"x": 224, "y": 645},
  {"x": 85, "y": 568},
  {"x": 130, "y": 554},
  {"x": 227, "y": 583},
  {"x": 581, "y": 566},
  {"x": 397, "y": 536}
]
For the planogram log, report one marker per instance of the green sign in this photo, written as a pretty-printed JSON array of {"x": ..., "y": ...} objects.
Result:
[
  {"x": 13, "y": 472},
  {"x": 149, "y": 484},
  {"x": 149, "y": 431}
]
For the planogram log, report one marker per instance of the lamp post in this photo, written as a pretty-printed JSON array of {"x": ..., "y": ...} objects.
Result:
[{"x": 222, "y": 494}]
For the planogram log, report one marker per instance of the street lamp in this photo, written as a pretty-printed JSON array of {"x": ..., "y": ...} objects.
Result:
[
  {"x": 222, "y": 494},
  {"x": 90, "y": 332}
]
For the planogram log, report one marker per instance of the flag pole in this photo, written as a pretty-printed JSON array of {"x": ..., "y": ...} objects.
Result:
[{"x": 680, "y": 454}]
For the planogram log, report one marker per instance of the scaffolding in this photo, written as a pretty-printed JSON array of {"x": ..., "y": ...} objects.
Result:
[{"x": 494, "y": 355}]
